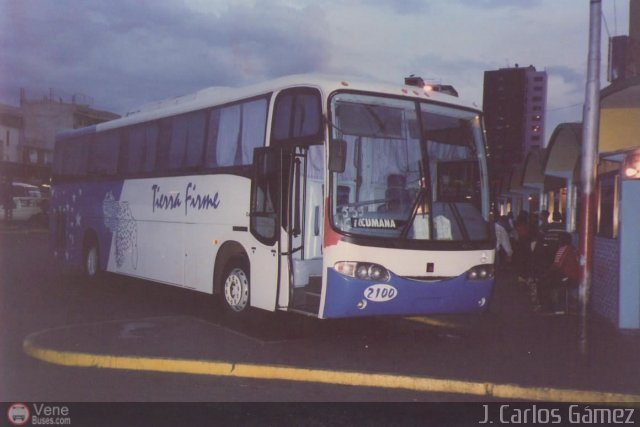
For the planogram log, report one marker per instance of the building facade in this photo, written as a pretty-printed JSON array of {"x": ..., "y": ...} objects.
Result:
[
  {"x": 514, "y": 101},
  {"x": 27, "y": 132},
  {"x": 11, "y": 133}
]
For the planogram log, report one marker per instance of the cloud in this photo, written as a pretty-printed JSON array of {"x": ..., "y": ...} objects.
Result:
[
  {"x": 402, "y": 7},
  {"x": 500, "y": 4},
  {"x": 126, "y": 53}
]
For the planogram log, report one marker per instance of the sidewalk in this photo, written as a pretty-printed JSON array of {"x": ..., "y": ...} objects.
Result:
[{"x": 546, "y": 347}]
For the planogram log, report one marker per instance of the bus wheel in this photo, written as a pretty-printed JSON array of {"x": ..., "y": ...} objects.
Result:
[
  {"x": 91, "y": 259},
  {"x": 235, "y": 287}
]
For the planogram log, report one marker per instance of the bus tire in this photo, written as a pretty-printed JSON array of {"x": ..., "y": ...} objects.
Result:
[
  {"x": 91, "y": 258},
  {"x": 235, "y": 286}
]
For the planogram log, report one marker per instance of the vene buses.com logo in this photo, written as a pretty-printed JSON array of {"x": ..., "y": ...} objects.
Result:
[{"x": 18, "y": 414}]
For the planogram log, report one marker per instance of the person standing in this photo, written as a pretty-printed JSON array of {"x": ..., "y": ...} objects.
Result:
[
  {"x": 503, "y": 243},
  {"x": 523, "y": 246}
]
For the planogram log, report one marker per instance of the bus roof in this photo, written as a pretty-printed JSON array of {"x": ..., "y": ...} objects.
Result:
[{"x": 219, "y": 95}]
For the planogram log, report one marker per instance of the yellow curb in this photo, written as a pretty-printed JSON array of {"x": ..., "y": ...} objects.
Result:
[
  {"x": 348, "y": 378},
  {"x": 433, "y": 322}
]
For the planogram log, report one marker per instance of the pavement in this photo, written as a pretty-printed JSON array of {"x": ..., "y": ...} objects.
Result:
[{"x": 508, "y": 353}]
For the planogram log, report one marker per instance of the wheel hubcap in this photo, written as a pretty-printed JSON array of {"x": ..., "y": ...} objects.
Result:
[
  {"x": 236, "y": 290},
  {"x": 92, "y": 261}
]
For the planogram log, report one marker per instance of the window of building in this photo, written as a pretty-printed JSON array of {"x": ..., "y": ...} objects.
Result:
[
  {"x": 608, "y": 188},
  {"x": 537, "y": 98}
]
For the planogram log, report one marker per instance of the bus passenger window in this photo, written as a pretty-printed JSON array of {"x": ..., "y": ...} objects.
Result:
[
  {"x": 75, "y": 162},
  {"x": 212, "y": 138},
  {"x": 163, "y": 145},
  {"x": 254, "y": 122},
  {"x": 187, "y": 141},
  {"x": 297, "y": 114},
  {"x": 228, "y": 134}
]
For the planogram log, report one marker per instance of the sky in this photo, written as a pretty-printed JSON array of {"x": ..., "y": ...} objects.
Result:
[{"x": 122, "y": 54}]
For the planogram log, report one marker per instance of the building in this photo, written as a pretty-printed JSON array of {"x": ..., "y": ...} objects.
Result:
[
  {"x": 624, "y": 51},
  {"x": 11, "y": 133},
  {"x": 514, "y": 101},
  {"x": 28, "y": 132}
]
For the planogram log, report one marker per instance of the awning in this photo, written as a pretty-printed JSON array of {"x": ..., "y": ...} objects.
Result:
[
  {"x": 620, "y": 116},
  {"x": 563, "y": 152}
]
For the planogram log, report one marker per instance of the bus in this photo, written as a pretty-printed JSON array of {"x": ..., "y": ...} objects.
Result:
[{"x": 325, "y": 196}]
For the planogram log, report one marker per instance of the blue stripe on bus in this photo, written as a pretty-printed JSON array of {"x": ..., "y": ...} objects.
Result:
[{"x": 347, "y": 296}]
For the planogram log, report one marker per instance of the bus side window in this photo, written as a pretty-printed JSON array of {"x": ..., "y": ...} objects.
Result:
[
  {"x": 240, "y": 129},
  {"x": 187, "y": 140},
  {"x": 150, "y": 147},
  {"x": 228, "y": 135},
  {"x": 103, "y": 154},
  {"x": 76, "y": 153},
  {"x": 139, "y": 149},
  {"x": 254, "y": 122},
  {"x": 163, "y": 145},
  {"x": 212, "y": 138},
  {"x": 132, "y": 150},
  {"x": 297, "y": 115}
]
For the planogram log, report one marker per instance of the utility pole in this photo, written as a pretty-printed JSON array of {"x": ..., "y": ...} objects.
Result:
[{"x": 590, "y": 128}]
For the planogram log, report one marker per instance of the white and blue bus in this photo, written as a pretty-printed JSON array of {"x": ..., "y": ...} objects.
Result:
[{"x": 311, "y": 194}]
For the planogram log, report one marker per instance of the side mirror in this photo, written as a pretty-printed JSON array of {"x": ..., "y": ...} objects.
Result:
[{"x": 337, "y": 155}]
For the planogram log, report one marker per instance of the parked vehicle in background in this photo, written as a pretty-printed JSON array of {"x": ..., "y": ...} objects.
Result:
[{"x": 29, "y": 204}]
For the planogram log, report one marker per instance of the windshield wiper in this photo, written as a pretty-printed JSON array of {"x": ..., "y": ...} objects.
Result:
[{"x": 422, "y": 199}]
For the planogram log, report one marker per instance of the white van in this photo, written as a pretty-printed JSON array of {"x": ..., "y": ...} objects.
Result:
[{"x": 29, "y": 204}]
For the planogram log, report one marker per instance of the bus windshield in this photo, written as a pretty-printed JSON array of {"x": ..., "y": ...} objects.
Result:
[{"x": 414, "y": 170}]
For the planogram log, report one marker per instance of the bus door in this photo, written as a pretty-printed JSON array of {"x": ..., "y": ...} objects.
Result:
[
  {"x": 287, "y": 212},
  {"x": 265, "y": 226},
  {"x": 302, "y": 226}
]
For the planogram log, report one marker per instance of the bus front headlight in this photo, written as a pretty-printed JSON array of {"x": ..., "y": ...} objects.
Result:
[
  {"x": 480, "y": 272},
  {"x": 362, "y": 270}
]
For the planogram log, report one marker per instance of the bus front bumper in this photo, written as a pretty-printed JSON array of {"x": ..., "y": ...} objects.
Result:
[{"x": 351, "y": 297}]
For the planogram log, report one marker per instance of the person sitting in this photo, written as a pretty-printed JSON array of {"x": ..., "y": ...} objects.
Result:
[{"x": 564, "y": 274}]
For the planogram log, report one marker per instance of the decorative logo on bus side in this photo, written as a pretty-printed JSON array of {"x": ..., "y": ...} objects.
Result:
[
  {"x": 192, "y": 199},
  {"x": 380, "y": 293},
  {"x": 120, "y": 221}
]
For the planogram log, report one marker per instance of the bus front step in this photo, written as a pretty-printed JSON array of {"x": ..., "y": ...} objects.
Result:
[{"x": 307, "y": 299}]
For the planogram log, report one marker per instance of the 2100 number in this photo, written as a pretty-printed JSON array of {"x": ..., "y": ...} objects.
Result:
[{"x": 380, "y": 293}]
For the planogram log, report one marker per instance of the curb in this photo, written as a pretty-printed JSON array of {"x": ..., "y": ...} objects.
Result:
[{"x": 323, "y": 376}]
